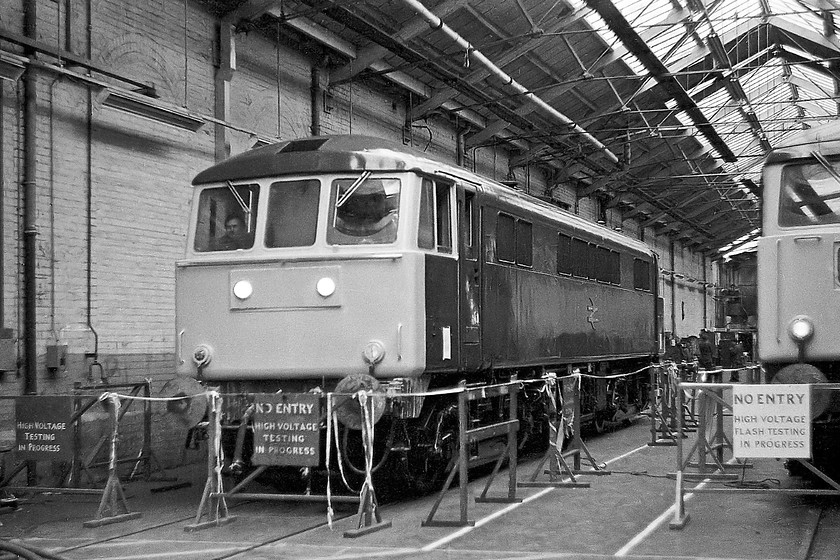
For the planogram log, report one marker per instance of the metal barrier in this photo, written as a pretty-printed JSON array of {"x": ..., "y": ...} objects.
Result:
[
  {"x": 565, "y": 407},
  {"x": 113, "y": 507},
  {"x": 564, "y": 392},
  {"x": 467, "y": 437},
  {"x": 213, "y": 504},
  {"x": 664, "y": 408},
  {"x": 145, "y": 457},
  {"x": 712, "y": 443}
]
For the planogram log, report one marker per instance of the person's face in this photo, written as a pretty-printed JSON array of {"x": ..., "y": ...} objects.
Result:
[{"x": 234, "y": 227}]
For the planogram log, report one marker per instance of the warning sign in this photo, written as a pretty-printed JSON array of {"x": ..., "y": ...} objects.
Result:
[
  {"x": 771, "y": 421},
  {"x": 286, "y": 429},
  {"x": 42, "y": 428}
]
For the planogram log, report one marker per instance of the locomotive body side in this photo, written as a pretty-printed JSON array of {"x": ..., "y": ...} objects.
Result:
[{"x": 565, "y": 307}]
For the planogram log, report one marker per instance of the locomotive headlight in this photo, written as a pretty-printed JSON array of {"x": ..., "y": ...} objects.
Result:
[
  {"x": 801, "y": 329},
  {"x": 374, "y": 352},
  {"x": 202, "y": 355},
  {"x": 325, "y": 286},
  {"x": 243, "y": 289}
]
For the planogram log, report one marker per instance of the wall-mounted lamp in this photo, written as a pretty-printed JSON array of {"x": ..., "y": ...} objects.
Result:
[
  {"x": 12, "y": 66},
  {"x": 150, "y": 108}
]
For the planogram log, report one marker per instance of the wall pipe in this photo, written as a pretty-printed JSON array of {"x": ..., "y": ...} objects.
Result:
[
  {"x": 89, "y": 172},
  {"x": 30, "y": 231},
  {"x": 706, "y": 296},
  {"x": 314, "y": 94},
  {"x": 673, "y": 291},
  {"x": 438, "y": 25},
  {"x": 2, "y": 217}
]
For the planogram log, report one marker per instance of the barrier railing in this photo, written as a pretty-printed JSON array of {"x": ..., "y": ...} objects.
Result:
[
  {"x": 564, "y": 413},
  {"x": 664, "y": 409},
  {"x": 113, "y": 507},
  {"x": 213, "y": 506},
  {"x": 138, "y": 391},
  {"x": 564, "y": 406},
  {"x": 663, "y": 402},
  {"x": 712, "y": 443},
  {"x": 467, "y": 437}
]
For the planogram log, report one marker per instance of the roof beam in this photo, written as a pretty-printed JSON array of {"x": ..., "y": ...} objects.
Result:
[
  {"x": 556, "y": 116},
  {"x": 374, "y": 53},
  {"x": 446, "y": 92},
  {"x": 631, "y": 39},
  {"x": 791, "y": 31}
]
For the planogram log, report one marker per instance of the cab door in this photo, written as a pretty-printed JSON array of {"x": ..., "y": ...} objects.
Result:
[{"x": 469, "y": 277}]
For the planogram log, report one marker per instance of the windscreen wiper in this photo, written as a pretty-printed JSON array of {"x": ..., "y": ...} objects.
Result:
[{"x": 353, "y": 188}]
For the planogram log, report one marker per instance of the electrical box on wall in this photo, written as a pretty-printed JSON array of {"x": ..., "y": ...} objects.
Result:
[
  {"x": 8, "y": 356},
  {"x": 56, "y": 356}
]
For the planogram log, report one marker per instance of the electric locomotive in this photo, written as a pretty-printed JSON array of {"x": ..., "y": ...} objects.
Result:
[
  {"x": 798, "y": 262},
  {"x": 352, "y": 262}
]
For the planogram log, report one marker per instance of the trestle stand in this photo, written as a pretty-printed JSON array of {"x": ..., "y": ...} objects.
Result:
[
  {"x": 711, "y": 404},
  {"x": 680, "y": 516},
  {"x": 660, "y": 399},
  {"x": 368, "y": 520},
  {"x": 113, "y": 507},
  {"x": 467, "y": 437},
  {"x": 213, "y": 504},
  {"x": 142, "y": 462},
  {"x": 569, "y": 416},
  {"x": 712, "y": 441}
]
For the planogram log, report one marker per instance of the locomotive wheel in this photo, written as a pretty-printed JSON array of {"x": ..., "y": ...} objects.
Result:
[{"x": 425, "y": 465}]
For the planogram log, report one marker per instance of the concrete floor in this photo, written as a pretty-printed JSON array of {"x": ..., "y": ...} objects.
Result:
[{"x": 625, "y": 514}]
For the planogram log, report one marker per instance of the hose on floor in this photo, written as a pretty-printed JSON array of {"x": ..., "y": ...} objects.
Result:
[{"x": 14, "y": 551}]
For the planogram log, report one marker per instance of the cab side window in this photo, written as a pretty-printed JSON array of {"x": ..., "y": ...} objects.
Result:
[
  {"x": 227, "y": 218},
  {"x": 435, "y": 228}
]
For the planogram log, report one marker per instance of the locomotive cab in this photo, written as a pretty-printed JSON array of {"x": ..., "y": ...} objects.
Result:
[
  {"x": 340, "y": 255},
  {"x": 799, "y": 278}
]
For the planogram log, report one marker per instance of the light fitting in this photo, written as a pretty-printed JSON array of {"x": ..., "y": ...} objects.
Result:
[
  {"x": 151, "y": 108},
  {"x": 12, "y": 66}
]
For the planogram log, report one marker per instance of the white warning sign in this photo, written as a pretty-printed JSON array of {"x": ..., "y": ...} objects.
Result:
[{"x": 771, "y": 421}]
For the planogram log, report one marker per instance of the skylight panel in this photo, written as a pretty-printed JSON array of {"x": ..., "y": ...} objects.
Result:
[
  {"x": 596, "y": 22},
  {"x": 784, "y": 121},
  {"x": 797, "y": 13},
  {"x": 665, "y": 41},
  {"x": 731, "y": 13},
  {"x": 760, "y": 81},
  {"x": 818, "y": 84},
  {"x": 717, "y": 106},
  {"x": 643, "y": 13}
]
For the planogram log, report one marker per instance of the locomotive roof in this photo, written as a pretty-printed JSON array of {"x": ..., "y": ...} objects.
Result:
[
  {"x": 316, "y": 154},
  {"x": 342, "y": 153}
]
